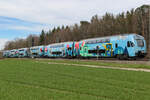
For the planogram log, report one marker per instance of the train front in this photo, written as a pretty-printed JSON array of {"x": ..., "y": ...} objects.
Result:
[{"x": 140, "y": 48}]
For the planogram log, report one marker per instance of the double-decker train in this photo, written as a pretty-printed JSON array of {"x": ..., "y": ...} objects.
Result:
[{"x": 119, "y": 46}]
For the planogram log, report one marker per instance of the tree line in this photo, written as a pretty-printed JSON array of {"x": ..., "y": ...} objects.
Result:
[{"x": 133, "y": 21}]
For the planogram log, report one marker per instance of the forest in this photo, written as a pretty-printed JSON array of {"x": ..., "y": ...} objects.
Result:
[{"x": 134, "y": 21}]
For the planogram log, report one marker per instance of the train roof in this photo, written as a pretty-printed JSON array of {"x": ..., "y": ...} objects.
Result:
[
  {"x": 105, "y": 37},
  {"x": 22, "y": 48},
  {"x": 37, "y": 46},
  {"x": 59, "y": 43}
]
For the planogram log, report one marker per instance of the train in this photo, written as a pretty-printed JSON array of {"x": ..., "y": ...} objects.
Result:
[{"x": 123, "y": 46}]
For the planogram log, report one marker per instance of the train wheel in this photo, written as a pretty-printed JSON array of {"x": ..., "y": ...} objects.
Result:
[
  {"x": 134, "y": 58},
  {"x": 118, "y": 57},
  {"x": 125, "y": 57}
]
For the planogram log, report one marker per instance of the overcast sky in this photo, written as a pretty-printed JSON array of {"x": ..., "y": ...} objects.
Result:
[{"x": 19, "y": 18}]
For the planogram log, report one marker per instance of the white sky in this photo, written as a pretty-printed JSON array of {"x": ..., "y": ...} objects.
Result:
[
  {"x": 60, "y": 12},
  {"x": 2, "y": 43},
  {"x": 63, "y": 12}
]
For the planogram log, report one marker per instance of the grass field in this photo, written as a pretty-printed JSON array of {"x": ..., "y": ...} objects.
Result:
[{"x": 27, "y": 79}]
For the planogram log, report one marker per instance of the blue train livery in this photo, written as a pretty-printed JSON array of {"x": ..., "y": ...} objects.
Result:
[
  {"x": 37, "y": 51},
  {"x": 46, "y": 51},
  {"x": 14, "y": 53},
  {"x": 23, "y": 52},
  {"x": 121, "y": 46},
  {"x": 6, "y": 53},
  {"x": 56, "y": 50},
  {"x": 69, "y": 49},
  {"x": 64, "y": 49}
]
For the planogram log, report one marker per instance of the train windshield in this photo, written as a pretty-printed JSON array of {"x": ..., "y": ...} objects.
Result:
[
  {"x": 140, "y": 42},
  {"x": 21, "y": 50}
]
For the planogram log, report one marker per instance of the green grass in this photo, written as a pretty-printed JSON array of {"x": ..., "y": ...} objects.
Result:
[{"x": 29, "y": 80}]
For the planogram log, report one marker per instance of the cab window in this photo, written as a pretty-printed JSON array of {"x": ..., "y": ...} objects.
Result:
[
  {"x": 132, "y": 44},
  {"x": 128, "y": 44},
  {"x": 140, "y": 42}
]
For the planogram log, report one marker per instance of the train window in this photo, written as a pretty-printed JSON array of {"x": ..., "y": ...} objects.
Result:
[
  {"x": 57, "y": 46},
  {"x": 80, "y": 48},
  {"x": 132, "y": 44},
  {"x": 103, "y": 41},
  {"x": 116, "y": 45},
  {"x": 69, "y": 48},
  {"x": 89, "y": 42},
  {"x": 128, "y": 44},
  {"x": 107, "y": 40},
  {"x": 97, "y": 47},
  {"x": 34, "y": 48},
  {"x": 21, "y": 50},
  {"x": 140, "y": 42},
  {"x": 98, "y": 41},
  {"x": 94, "y": 41}
]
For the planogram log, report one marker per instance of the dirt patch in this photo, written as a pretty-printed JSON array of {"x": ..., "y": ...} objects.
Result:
[
  {"x": 103, "y": 61},
  {"x": 95, "y": 66}
]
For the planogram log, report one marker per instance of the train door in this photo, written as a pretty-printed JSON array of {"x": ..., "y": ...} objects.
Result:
[
  {"x": 76, "y": 49},
  {"x": 85, "y": 50},
  {"x": 130, "y": 49},
  {"x": 69, "y": 51},
  {"x": 109, "y": 51}
]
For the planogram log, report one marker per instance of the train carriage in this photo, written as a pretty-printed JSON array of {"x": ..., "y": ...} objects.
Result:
[
  {"x": 6, "y": 54},
  {"x": 56, "y": 50},
  {"x": 23, "y": 52},
  {"x": 121, "y": 46},
  {"x": 37, "y": 51},
  {"x": 14, "y": 53},
  {"x": 64, "y": 49}
]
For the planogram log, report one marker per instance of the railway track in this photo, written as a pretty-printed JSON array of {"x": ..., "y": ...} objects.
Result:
[
  {"x": 143, "y": 61},
  {"x": 103, "y": 59}
]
